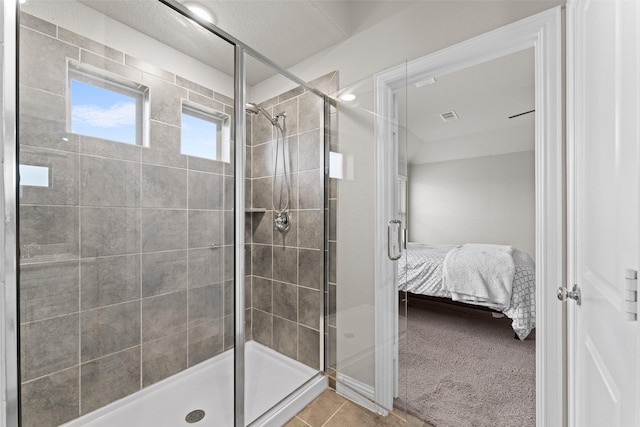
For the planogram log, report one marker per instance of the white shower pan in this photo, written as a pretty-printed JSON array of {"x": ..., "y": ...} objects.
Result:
[{"x": 270, "y": 378}]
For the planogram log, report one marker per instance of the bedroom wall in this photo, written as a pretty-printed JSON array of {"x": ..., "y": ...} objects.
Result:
[{"x": 487, "y": 199}]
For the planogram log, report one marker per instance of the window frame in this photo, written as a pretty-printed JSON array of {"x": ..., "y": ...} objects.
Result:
[
  {"x": 223, "y": 129},
  {"x": 99, "y": 79}
]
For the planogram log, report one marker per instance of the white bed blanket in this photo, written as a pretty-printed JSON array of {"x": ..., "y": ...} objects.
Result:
[{"x": 480, "y": 274}]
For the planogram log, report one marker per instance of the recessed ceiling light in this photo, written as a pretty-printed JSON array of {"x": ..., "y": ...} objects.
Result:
[
  {"x": 348, "y": 97},
  {"x": 426, "y": 82},
  {"x": 201, "y": 12}
]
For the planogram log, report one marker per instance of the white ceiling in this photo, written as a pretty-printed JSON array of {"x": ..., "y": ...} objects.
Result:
[
  {"x": 287, "y": 32},
  {"x": 483, "y": 96}
]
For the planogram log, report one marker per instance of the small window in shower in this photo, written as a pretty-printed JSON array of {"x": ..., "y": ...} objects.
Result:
[
  {"x": 205, "y": 133},
  {"x": 105, "y": 108}
]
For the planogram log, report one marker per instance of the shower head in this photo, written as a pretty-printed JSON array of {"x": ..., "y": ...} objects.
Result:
[{"x": 251, "y": 108}]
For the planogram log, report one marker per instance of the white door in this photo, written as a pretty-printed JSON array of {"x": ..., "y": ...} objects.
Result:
[{"x": 603, "y": 122}]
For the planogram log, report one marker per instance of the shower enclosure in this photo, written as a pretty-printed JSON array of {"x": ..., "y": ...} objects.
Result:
[{"x": 171, "y": 243}]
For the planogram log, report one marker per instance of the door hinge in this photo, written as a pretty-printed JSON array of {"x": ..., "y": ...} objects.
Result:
[{"x": 631, "y": 295}]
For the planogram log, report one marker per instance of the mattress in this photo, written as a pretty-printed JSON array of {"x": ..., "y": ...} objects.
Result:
[{"x": 420, "y": 271}]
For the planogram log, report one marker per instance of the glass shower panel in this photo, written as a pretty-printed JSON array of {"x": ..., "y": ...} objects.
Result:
[
  {"x": 285, "y": 231},
  {"x": 367, "y": 323},
  {"x": 126, "y": 216}
]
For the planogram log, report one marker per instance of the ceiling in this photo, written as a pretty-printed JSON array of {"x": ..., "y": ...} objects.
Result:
[
  {"x": 287, "y": 32},
  {"x": 483, "y": 96}
]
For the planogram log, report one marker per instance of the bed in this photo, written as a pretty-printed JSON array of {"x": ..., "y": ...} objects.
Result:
[{"x": 421, "y": 272}]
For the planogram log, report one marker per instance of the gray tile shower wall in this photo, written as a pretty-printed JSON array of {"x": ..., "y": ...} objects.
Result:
[
  {"x": 287, "y": 269},
  {"x": 119, "y": 285}
]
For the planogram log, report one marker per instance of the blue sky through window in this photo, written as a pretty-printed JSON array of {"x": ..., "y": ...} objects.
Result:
[
  {"x": 102, "y": 113},
  {"x": 199, "y": 137}
]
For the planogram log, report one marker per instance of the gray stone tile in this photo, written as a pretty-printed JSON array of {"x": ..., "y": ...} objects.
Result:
[
  {"x": 48, "y": 290},
  {"x": 205, "y": 304},
  {"x": 262, "y": 261},
  {"x": 262, "y": 160},
  {"x": 309, "y": 347},
  {"x": 149, "y": 68},
  {"x": 115, "y": 67},
  {"x": 285, "y": 337},
  {"x": 205, "y": 267},
  {"x": 311, "y": 193},
  {"x": 43, "y": 61},
  {"x": 164, "y": 315},
  {"x": 229, "y": 337},
  {"x": 229, "y": 193},
  {"x": 205, "y": 341},
  {"x": 109, "y": 149},
  {"x": 299, "y": 90},
  {"x": 85, "y": 43},
  {"x": 292, "y": 153},
  {"x": 229, "y": 258},
  {"x": 333, "y": 188},
  {"x": 311, "y": 268},
  {"x": 333, "y": 254},
  {"x": 164, "y": 230},
  {"x": 290, "y": 107},
  {"x": 285, "y": 264},
  {"x": 248, "y": 334},
  {"x": 206, "y": 191},
  {"x": 222, "y": 98},
  {"x": 110, "y": 378},
  {"x": 48, "y": 346},
  {"x": 262, "y": 327},
  {"x": 51, "y": 400},
  {"x": 261, "y": 189},
  {"x": 248, "y": 295},
  {"x": 310, "y": 150},
  {"x": 109, "y": 231},
  {"x": 195, "y": 87},
  {"x": 331, "y": 305},
  {"x": 163, "y": 187},
  {"x": 63, "y": 177},
  {"x": 42, "y": 120},
  {"x": 261, "y": 128},
  {"x": 331, "y": 347},
  {"x": 163, "y": 358},
  {"x": 229, "y": 297},
  {"x": 263, "y": 226},
  {"x": 333, "y": 219},
  {"x": 309, "y": 307},
  {"x": 262, "y": 294},
  {"x": 109, "y": 183},
  {"x": 164, "y": 272},
  {"x": 48, "y": 233},
  {"x": 205, "y": 229},
  {"x": 285, "y": 301},
  {"x": 164, "y": 146},
  {"x": 206, "y": 101},
  {"x": 38, "y": 24},
  {"x": 109, "y": 329},
  {"x": 165, "y": 99},
  {"x": 311, "y": 229},
  {"x": 228, "y": 229},
  {"x": 206, "y": 165},
  {"x": 311, "y": 112},
  {"x": 109, "y": 280}
]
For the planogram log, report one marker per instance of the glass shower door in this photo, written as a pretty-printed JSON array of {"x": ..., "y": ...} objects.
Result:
[
  {"x": 126, "y": 216},
  {"x": 367, "y": 322}
]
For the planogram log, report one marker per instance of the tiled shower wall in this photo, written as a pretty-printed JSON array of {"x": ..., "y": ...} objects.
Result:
[
  {"x": 287, "y": 269},
  {"x": 119, "y": 284}
]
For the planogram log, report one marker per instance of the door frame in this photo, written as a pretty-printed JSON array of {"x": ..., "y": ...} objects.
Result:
[{"x": 543, "y": 33}]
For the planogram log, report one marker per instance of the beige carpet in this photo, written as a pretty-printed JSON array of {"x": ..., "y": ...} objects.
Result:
[{"x": 461, "y": 367}]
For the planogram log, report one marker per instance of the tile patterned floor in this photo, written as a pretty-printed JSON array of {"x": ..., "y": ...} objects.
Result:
[{"x": 333, "y": 410}]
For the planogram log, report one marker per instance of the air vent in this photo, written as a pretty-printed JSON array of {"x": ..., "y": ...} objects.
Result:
[{"x": 449, "y": 116}]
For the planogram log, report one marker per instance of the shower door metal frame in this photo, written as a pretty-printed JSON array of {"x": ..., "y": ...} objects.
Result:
[{"x": 9, "y": 322}]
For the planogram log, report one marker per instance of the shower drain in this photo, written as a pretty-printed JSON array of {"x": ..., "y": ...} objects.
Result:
[{"x": 194, "y": 416}]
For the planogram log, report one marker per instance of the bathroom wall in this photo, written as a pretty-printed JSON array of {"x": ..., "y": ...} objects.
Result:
[
  {"x": 119, "y": 284},
  {"x": 287, "y": 269}
]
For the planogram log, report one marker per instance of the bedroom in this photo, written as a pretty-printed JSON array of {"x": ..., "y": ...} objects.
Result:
[{"x": 470, "y": 138}]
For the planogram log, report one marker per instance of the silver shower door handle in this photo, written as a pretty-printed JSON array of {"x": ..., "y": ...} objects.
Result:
[{"x": 397, "y": 224}]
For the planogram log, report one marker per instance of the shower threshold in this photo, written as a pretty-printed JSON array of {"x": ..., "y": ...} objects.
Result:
[{"x": 208, "y": 387}]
